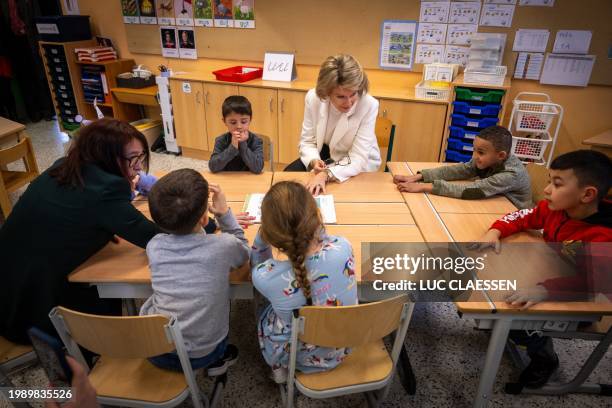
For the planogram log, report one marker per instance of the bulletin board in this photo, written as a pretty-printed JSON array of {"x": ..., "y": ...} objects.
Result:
[{"x": 314, "y": 29}]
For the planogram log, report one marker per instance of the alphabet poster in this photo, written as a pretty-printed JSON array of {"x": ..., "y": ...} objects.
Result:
[
  {"x": 223, "y": 13},
  {"x": 129, "y": 9},
  {"x": 165, "y": 12},
  {"x": 183, "y": 10},
  {"x": 244, "y": 13},
  {"x": 147, "y": 12},
  {"x": 203, "y": 13}
]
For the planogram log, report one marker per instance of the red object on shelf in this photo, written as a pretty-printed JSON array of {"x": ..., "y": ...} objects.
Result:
[{"x": 238, "y": 74}]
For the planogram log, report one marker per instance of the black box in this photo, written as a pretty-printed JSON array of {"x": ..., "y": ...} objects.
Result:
[
  {"x": 135, "y": 82},
  {"x": 63, "y": 28}
]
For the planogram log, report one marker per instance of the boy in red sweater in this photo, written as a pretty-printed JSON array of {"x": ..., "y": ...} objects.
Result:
[{"x": 575, "y": 213}]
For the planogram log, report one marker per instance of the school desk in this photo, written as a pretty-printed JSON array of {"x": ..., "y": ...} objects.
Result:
[
  {"x": 601, "y": 142},
  {"x": 375, "y": 187}
]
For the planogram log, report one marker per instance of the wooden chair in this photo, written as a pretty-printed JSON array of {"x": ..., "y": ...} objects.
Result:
[
  {"x": 14, "y": 356},
  {"x": 385, "y": 133},
  {"x": 268, "y": 150},
  {"x": 369, "y": 368},
  {"x": 123, "y": 376},
  {"x": 12, "y": 180},
  {"x": 539, "y": 180}
]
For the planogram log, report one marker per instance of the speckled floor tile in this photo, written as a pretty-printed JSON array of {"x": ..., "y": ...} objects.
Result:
[{"x": 446, "y": 353}]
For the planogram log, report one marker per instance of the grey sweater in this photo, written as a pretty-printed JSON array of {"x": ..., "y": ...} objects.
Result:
[
  {"x": 508, "y": 178},
  {"x": 248, "y": 156},
  {"x": 190, "y": 279}
]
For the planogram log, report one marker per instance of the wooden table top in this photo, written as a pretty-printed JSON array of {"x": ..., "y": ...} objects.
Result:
[
  {"x": 603, "y": 139},
  {"x": 8, "y": 127},
  {"x": 470, "y": 227}
]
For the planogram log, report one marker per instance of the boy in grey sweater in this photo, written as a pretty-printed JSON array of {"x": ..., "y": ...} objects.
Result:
[
  {"x": 190, "y": 268},
  {"x": 499, "y": 172},
  {"x": 238, "y": 149}
]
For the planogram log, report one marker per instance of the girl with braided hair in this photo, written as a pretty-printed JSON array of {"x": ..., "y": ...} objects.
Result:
[{"x": 319, "y": 271}]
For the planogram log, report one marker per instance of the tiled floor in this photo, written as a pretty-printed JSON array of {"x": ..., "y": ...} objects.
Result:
[{"x": 446, "y": 352}]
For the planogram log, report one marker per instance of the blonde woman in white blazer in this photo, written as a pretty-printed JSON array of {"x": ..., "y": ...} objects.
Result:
[{"x": 338, "y": 139}]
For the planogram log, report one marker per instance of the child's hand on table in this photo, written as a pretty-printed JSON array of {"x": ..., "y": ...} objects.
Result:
[
  {"x": 408, "y": 187},
  {"x": 528, "y": 297},
  {"x": 244, "y": 219},
  {"x": 488, "y": 240},
  {"x": 407, "y": 179}
]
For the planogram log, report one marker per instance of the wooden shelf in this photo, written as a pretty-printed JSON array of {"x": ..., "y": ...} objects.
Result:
[
  {"x": 104, "y": 63},
  {"x": 141, "y": 96}
]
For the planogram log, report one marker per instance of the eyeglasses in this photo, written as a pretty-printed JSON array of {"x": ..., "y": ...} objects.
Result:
[
  {"x": 345, "y": 161},
  {"x": 133, "y": 161}
]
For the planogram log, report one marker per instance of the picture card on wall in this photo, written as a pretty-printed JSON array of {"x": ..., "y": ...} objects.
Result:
[
  {"x": 203, "y": 13},
  {"x": 429, "y": 53},
  {"x": 244, "y": 13},
  {"x": 572, "y": 42},
  {"x": 186, "y": 41},
  {"x": 169, "y": 44},
  {"x": 129, "y": 10},
  {"x": 397, "y": 40},
  {"x": 434, "y": 12},
  {"x": 431, "y": 33},
  {"x": 165, "y": 12},
  {"x": 500, "y": 1},
  {"x": 147, "y": 12},
  {"x": 567, "y": 69},
  {"x": 461, "y": 34},
  {"x": 540, "y": 3},
  {"x": 530, "y": 40},
  {"x": 496, "y": 15},
  {"x": 223, "y": 14},
  {"x": 464, "y": 12},
  {"x": 183, "y": 10},
  {"x": 279, "y": 66},
  {"x": 456, "y": 55}
]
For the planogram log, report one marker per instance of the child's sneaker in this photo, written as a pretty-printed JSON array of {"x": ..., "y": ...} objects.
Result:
[
  {"x": 279, "y": 375},
  {"x": 229, "y": 359},
  {"x": 539, "y": 370}
]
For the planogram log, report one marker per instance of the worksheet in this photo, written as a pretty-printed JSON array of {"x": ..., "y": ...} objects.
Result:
[
  {"x": 429, "y": 53},
  {"x": 431, "y": 33},
  {"x": 460, "y": 34},
  {"x": 530, "y": 40},
  {"x": 572, "y": 42},
  {"x": 567, "y": 69},
  {"x": 434, "y": 12},
  {"x": 497, "y": 15},
  {"x": 464, "y": 12}
]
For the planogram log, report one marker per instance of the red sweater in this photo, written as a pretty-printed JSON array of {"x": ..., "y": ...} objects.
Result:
[{"x": 593, "y": 261}]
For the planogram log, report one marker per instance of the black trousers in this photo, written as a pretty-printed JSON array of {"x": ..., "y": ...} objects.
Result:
[{"x": 297, "y": 165}]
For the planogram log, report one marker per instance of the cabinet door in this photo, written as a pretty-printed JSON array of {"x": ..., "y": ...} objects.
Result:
[
  {"x": 290, "y": 118},
  {"x": 189, "y": 117},
  {"x": 265, "y": 117},
  {"x": 419, "y": 127},
  {"x": 214, "y": 95}
]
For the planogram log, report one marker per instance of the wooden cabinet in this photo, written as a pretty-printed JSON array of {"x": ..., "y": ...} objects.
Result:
[
  {"x": 290, "y": 118},
  {"x": 419, "y": 127},
  {"x": 265, "y": 117},
  {"x": 189, "y": 117},
  {"x": 214, "y": 95}
]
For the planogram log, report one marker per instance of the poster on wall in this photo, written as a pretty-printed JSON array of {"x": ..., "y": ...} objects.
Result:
[
  {"x": 165, "y": 12},
  {"x": 147, "y": 12},
  {"x": 244, "y": 13},
  {"x": 223, "y": 13},
  {"x": 397, "y": 44},
  {"x": 497, "y": 15},
  {"x": 183, "y": 11},
  {"x": 168, "y": 42},
  {"x": 461, "y": 34},
  {"x": 456, "y": 55},
  {"x": 464, "y": 12},
  {"x": 429, "y": 53},
  {"x": 431, "y": 33},
  {"x": 129, "y": 9},
  {"x": 202, "y": 13},
  {"x": 186, "y": 41}
]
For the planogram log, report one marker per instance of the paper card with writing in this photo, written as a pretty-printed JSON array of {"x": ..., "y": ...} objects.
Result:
[
  {"x": 223, "y": 13},
  {"x": 530, "y": 40},
  {"x": 279, "y": 66},
  {"x": 129, "y": 9},
  {"x": 147, "y": 12},
  {"x": 429, "y": 53},
  {"x": 464, "y": 12},
  {"x": 165, "y": 12},
  {"x": 572, "y": 42},
  {"x": 538, "y": 3},
  {"x": 431, "y": 33},
  {"x": 497, "y": 15},
  {"x": 568, "y": 69},
  {"x": 168, "y": 42},
  {"x": 434, "y": 12},
  {"x": 500, "y": 1},
  {"x": 203, "y": 13},
  {"x": 461, "y": 34},
  {"x": 183, "y": 11},
  {"x": 244, "y": 13},
  {"x": 456, "y": 55},
  {"x": 187, "y": 45}
]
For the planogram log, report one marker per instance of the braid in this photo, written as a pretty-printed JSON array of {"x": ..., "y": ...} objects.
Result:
[{"x": 297, "y": 256}]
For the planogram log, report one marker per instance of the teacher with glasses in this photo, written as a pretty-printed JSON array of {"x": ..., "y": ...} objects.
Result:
[
  {"x": 338, "y": 139},
  {"x": 67, "y": 214}
]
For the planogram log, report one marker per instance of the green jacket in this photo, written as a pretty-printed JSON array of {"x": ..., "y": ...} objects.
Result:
[
  {"x": 51, "y": 231},
  {"x": 508, "y": 178}
]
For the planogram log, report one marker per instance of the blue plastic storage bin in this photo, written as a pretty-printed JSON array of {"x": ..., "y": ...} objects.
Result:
[
  {"x": 455, "y": 156},
  {"x": 460, "y": 145},
  {"x": 461, "y": 133},
  {"x": 473, "y": 109},
  {"x": 480, "y": 123}
]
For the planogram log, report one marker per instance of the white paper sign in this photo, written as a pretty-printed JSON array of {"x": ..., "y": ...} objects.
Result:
[
  {"x": 187, "y": 87},
  {"x": 187, "y": 44},
  {"x": 500, "y": 1},
  {"x": 460, "y": 34},
  {"x": 464, "y": 12},
  {"x": 528, "y": 65},
  {"x": 530, "y": 40},
  {"x": 434, "y": 12},
  {"x": 456, "y": 55},
  {"x": 397, "y": 44},
  {"x": 169, "y": 44},
  {"x": 572, "y": 42},
  {"x": 428, "y": 53},
  {"x": 279, "y": 66},
  {"x": 540, "y": 3},
  {"x": 497, "y": 15},
  {"x": 431, "y": 33},
  {"x": 567, "y": 69}
]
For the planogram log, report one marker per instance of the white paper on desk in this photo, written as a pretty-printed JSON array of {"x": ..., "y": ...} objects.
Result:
[
  {"x": 567, "y": 69},
  {"x": 530, "y": 40},
  {"x": 454, "y": 54},
  {"x": 539, "y": 3},
  {"x": 572, "y": 42},
  {"x": 429, "y": 53},
  {"x": 325, "y": 203},
  {"x": 464, "y": 12},
  {"x": 431, "y": 33},
  {"x": 434, "y": 12},
  {"x": 461, "y": 34},
  {"x": 497, "y": 15}
]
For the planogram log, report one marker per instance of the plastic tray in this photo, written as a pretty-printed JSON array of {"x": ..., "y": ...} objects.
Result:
[
  {"x": 427, "y": 92},
  {"x": 480, "y": 123},
  {"x": 460, "y": 145},
  {"x": 490, "y": 96},
  {"x": 473, "y": 109},
  {"x": 530, "y": 147},
  {"x": 455, "y": 156},
  {"x": 238, "y": 73},
  {"x": 461, "y": 133}
]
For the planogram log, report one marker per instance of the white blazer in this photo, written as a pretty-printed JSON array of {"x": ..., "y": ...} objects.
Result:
[{"x": 353, "y": 136}]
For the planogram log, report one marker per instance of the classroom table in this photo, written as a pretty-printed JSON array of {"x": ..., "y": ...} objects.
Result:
[
  {"x": 10, "y": 131},
  {"x": 601, "y": 142}
]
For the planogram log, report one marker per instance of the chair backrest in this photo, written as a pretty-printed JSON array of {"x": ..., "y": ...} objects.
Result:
[
  {"x": 385, "y": 133},
  {"x": 268, "y": 150},
  {"x": 117, "y": 336},
  {"x": 21, "y": 151},
  {"x": 539, "y": 180},
  {"x": 351, "y": 326}
]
